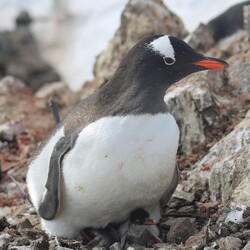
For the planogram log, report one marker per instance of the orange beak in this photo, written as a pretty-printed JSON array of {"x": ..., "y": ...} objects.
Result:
[
  {"x": 211, "y": 63},
  {"x": 150, "y": 222}
]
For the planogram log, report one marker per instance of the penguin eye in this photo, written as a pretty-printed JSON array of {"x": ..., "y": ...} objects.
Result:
[{"x": 169, "y": 60}]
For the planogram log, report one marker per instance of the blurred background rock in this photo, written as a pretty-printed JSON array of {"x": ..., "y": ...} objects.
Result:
[{"x": 71, "y": 33}]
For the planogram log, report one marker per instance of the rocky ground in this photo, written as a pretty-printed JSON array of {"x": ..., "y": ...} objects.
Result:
[{"x": 211, "y": 206}]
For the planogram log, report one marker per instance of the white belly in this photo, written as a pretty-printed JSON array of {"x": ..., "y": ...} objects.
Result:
[{"x": 117, "y": 164}]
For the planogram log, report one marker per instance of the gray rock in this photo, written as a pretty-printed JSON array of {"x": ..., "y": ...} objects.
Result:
[
  {"x": 21, "y": 241},
  {"x": 201, "y": 38},
  {"x": 24, "y": 223},
  {"x": 55, "y": 89},
  {"x": 236, "y": 215},
  {"x": 230, "y": 166},
  {"x": 4, "y": 244},
  {"x": 200, "y": 239},
  {"x": 181, "y": 231},
  {"x": 173, "y": 221},
  {"x": 115, "y": 246},
  {"x": 238, "y": 75},
  {"x": 230, "y": 243},
  {"x": 194, "y": 108},
  {"x": 9, "y": 83},
  {"x": 139, "y": 18}
]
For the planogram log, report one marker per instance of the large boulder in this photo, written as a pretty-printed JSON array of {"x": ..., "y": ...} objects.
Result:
[
  {"x": 227, "y": 166},
  {"x": 194, "y": 108},
  {"x": 139, "y": 18}
]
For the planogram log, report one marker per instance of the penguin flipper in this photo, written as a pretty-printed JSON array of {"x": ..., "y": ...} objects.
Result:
[
  {"x": 51, "y": 201},
  {"x": 170, "y": 190}
]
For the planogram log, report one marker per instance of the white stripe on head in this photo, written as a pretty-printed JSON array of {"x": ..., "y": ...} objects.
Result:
[{"x": 162, "y": 46}]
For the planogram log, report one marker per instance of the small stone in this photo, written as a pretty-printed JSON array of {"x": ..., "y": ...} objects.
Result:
[
  {"x": 212, "y": 246},
  {"x": 33, "y": 233},
  {"x": 236, "y": 215},
  {"x": 21, "y": 241},
  {"x": 181, "y": 231},
  {"x": 3, "y": 223},
  {"x": 25, "y": 223},
  {"x": 180, "y": 198},
  {"x": 199, "y": 240},
  {"x": 41, "y": 243},
  {"x": 4, "y": 244},
  {"x": 234, "y": 227},
  {"x": 115, "y": 246},
  {"x": 208, "y": 209},
  {"x": 230, "y": 243},
  {"x": 222, "y": 230}
]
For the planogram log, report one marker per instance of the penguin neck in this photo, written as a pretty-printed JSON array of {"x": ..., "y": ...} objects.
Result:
[{"x": 132, "y": 93}]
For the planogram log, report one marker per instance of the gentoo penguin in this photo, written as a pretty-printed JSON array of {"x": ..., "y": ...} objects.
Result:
[{"x": 115, "y": 151}]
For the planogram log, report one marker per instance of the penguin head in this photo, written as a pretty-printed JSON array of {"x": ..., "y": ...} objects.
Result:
[
  {"x": 141, "y": 217},
  {"x": 164, "y": 60}
]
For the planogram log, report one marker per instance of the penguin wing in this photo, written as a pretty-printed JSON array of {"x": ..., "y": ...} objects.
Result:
[
  {"x": 171, "y": 188},
  {"x": 51, "y": 201}
]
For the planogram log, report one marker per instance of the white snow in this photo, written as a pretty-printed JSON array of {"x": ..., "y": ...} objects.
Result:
[{"x": 72, "y": 44}]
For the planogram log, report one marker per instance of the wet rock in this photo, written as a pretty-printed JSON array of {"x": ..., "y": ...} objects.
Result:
[
  {"x": 230, "y": 243},
  {"x": 181, "y": 231},
  {"x": 194, "y": 108},
  {"x": 230, "y": 166},
  {"x": 152, "y": 16}
]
